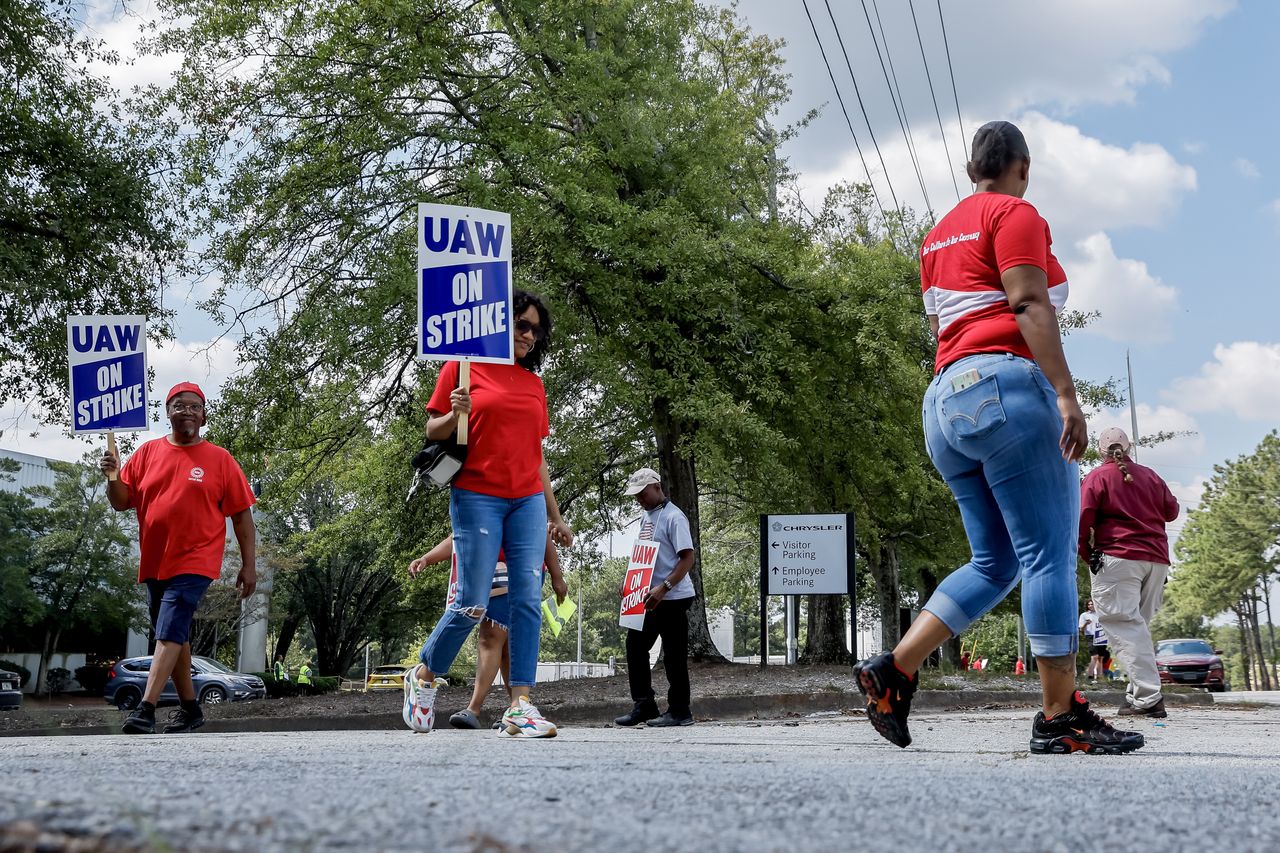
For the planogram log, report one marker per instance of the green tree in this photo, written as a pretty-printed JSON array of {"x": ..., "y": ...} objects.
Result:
[
  {"x": 82, "y": 571},
  {"x": 17, "y": 602},
  {"x": 84, "y": 226}
]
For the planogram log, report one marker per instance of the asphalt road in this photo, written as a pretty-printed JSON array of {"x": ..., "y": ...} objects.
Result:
[{"x": 1207, "y": 780}]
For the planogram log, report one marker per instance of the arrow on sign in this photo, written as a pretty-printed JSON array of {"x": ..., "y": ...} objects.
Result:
[
  {"x": 775, "y": 570},
  {"x": 774, "y": 544}
]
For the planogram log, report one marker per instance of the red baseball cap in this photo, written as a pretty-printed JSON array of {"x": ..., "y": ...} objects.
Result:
[{"x": 183, "y": 387}]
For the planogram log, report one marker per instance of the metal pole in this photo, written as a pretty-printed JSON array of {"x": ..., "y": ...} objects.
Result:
[
  {"x": 791, "y": 629},
  {"x": 579, "y": 620},
  {"x": 1020, "y": 638},
  {"x": 764, "y": 591},
  {"x": 1133, "y": 409}
]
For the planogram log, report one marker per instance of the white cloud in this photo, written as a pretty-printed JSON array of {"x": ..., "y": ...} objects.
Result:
[
  {"x": 1243, "y": 379},
  {"x": 1152, "y": 420},
  {"x": 1135, "y": 306},
  {"x": 1194, "y": 147},
  {"x": 1247, "y": 168},
  {"x": 120, "y": 28},
  {"x": 1188, "y": 494}
]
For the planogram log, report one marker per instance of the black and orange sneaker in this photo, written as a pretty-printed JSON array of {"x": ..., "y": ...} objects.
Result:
[
  {"x": 1081, "y": 730},
  {"x": 888, "y": 691}
]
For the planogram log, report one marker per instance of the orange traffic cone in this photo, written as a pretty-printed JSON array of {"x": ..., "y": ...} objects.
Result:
[{"x": 1019, "y": 668}]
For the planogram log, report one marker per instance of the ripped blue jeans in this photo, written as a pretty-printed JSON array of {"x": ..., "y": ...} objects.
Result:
[
  {"x": 482, "y": 526},
  {"x": 995, "y": 442}
]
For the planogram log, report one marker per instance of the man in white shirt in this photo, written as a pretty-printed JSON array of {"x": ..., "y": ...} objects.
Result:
[
  {"x": 1092, "y": 630},
  {"x": 666, "y": 608}
]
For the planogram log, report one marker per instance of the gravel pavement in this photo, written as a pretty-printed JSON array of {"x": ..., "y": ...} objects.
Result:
[{"x": 1207, "y": 780}]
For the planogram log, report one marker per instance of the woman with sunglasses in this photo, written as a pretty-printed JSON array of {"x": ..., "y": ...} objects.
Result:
[{"x": 501, "y": 500}]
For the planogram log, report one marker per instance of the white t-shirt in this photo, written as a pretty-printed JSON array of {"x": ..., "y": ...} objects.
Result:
[
  {"x": 1091, "y": 627},
  {"x": 668, "y": 526}
]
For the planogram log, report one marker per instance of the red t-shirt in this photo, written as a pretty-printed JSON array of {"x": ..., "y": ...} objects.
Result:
[
  {"x": 505, "y": 430},
  {"x": 183, "y": 496},
  {"x": 1127, "y": 518},
  {"x": 960, "y": 266}
]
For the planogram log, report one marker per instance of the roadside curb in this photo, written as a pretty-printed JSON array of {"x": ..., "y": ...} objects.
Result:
[{"x": 769, "y": 706}]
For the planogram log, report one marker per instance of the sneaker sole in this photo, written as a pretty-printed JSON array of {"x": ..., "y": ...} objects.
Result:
[
  {"x": 1065, "y": 745},
  {"x": 885, "y": 725},
  {"x": 137, "y": 730},
  {"x": 515, "y": 732},
  {"x": 183, "y": 729}
]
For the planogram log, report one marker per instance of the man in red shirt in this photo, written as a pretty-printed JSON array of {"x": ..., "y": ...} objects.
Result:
[
  {"x": 184, "y": 489},
  {"x": 1123, "y": 510}
]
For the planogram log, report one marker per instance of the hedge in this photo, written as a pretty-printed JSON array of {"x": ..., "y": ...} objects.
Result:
[{"x": 284, "y": 689}]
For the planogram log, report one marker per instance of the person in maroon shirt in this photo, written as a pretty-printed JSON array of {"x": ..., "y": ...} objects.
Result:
[{"x": 1123, "y": 509}]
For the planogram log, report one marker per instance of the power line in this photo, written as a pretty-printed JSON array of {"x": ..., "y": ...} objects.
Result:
[
  {"x": 964, "y": 139},
  {"x": 911, "y": 5},
  {"x": 847, "y": 121},
  {"x": 902, "y": 220},
  {"x": 903, "y": 122}
]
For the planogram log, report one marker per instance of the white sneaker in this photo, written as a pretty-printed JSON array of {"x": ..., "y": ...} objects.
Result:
[
  {"x": 525, "y": 720},
  {"x": 419, "y": 711}
]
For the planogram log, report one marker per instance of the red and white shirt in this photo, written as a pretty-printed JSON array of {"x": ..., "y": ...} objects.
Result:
[{"x": 960, "y": 266}]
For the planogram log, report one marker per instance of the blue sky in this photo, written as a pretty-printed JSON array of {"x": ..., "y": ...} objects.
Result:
[{"x": 1152, "y": 127}]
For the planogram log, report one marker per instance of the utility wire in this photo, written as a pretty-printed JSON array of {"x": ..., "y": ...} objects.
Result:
[
  {"x": 902, "y": 220},
  {"x": 847, "y": 120},
  {"x": 964, "y": 139},
  {"x": 903, "y": 122},
  {"x": 911, "y": 5}
]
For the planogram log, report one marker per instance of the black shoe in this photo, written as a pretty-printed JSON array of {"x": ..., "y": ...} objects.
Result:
[
  {"x": 888, "y": 694},
  {"x": 1081, "y": 730},
  {"x": 1156, "y": 710},
  {"x": 643, "y": 712},
  {"x": 183, "y": 720},
  {"x": 141, "y": 722},
  {"x": 668, "y": 719}
]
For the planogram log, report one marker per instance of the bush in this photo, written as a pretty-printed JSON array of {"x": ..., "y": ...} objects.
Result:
[
  {"x": 24, "y": 674},
  {"x": 58, "y": 680},
  {"x": 93, "y": 677},
  {"x": 285, "y": 689}
]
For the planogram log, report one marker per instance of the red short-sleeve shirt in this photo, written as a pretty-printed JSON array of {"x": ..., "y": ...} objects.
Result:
[
  {"x": 183, "y": 496},
  {"x": 505, "y": 430},
  {"x": 960, "y": 266}
]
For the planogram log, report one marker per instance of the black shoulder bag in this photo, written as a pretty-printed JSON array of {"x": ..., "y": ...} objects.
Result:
[{"x": 437, "y": 463}]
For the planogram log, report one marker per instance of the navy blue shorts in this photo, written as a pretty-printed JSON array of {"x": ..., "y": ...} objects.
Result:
[{"x": 173, "y": 604}]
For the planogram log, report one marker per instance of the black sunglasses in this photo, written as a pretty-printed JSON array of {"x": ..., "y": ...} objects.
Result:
[{"x": 524, "y": 327}]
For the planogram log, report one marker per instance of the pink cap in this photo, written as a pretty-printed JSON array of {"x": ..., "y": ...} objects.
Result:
[{"x": 1112, "y": 436}]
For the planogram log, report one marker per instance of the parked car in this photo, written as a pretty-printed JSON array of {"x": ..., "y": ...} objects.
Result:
[
  {"x": 1191, "y": 662},
  {"x": 214, "y": 683},
  {"x": 10, "y": 689},
  {"x": 385, "y": 678}
]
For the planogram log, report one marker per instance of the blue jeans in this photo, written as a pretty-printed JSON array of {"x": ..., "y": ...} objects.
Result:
[
  {"x": 996, "y": 445},
  {"x": 483, "y": 525}
]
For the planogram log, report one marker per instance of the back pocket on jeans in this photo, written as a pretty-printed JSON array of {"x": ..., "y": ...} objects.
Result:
[{"x": 975, "y": 411}]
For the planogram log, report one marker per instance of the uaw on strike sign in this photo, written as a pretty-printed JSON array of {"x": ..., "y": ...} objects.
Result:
[
  {"x": 464, "y": 284},
  {"x": 108, "y": 362},
  {"x": 635, "y": 587}
]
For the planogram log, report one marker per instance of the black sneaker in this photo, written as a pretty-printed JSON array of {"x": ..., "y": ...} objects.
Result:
[
  {"x": 1080, "y": 730},
  {"x": 888, "y": 694},
  {"x": 142, "y": 721},
  {"x": 668, "y": 719},
  {"x": 183, "y": 720},
  {"x": 643, "y": 712},
  {"x": 1156, "y": 710}
]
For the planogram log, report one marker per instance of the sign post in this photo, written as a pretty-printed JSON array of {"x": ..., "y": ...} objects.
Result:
[
  {"x": 805, "y": 555},
  {"x": 644, "y": 556},
  {"x": 107, "y": 365},
  {"x": 464, "y": 289}
]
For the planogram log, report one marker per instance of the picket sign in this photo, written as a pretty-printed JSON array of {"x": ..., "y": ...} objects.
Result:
[
  {"x": 644, "y": 556},
  {"x": 107, "y": 369}
]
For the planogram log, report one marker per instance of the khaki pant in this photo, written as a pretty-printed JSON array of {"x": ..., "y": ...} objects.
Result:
[{"x": 1127, "y": 594}]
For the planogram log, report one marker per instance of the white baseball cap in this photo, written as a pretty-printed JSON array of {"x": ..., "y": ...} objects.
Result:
[
  {"x": 641, "y": 479},
  {"x": 1113, "y": 435}
]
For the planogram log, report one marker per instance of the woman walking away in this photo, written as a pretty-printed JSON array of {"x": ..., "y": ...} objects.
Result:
[
  {"x": 1123, "y": 510},
  {"x": 501, "y": 501},
  {"x": 1003, "y": 428}
]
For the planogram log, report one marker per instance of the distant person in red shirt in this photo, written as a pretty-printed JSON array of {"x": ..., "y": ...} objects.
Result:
[
  {"x": 184, "y": 489},
  {"x": 1123, "y": 510},
  {"x": 1004, "y": 429}
]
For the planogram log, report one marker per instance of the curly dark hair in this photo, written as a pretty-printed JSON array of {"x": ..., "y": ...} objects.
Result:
[
  {"x": 996, "y": 146},
  {"x": 521, "y": 302}
]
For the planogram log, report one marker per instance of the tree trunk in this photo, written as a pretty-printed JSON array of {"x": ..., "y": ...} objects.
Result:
[
  {"x": 1264, "y": 676},
  {"x": 825, "y": 642},
  {"x": 1244, "y": 647},
  {"x": 1271, "y": 629},
  {"x": 883, "y": 565},
  {"x": 288, "y": 630},
  {"x": 950, "y": 649},
  {"x": 680, "y": 479}
]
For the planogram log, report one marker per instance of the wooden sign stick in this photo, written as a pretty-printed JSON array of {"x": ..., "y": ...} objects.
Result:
[
  {"x": 111, "y": 448},
  {"x": 464, "y": 381}
]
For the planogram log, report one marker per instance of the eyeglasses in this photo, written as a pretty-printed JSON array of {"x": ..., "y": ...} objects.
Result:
[
  {"x": 524, "y": 327},
  {"x": 179, "y": 408}
]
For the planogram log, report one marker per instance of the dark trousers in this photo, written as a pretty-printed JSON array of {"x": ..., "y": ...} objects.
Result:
[{"x": 670, "y": 621}]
